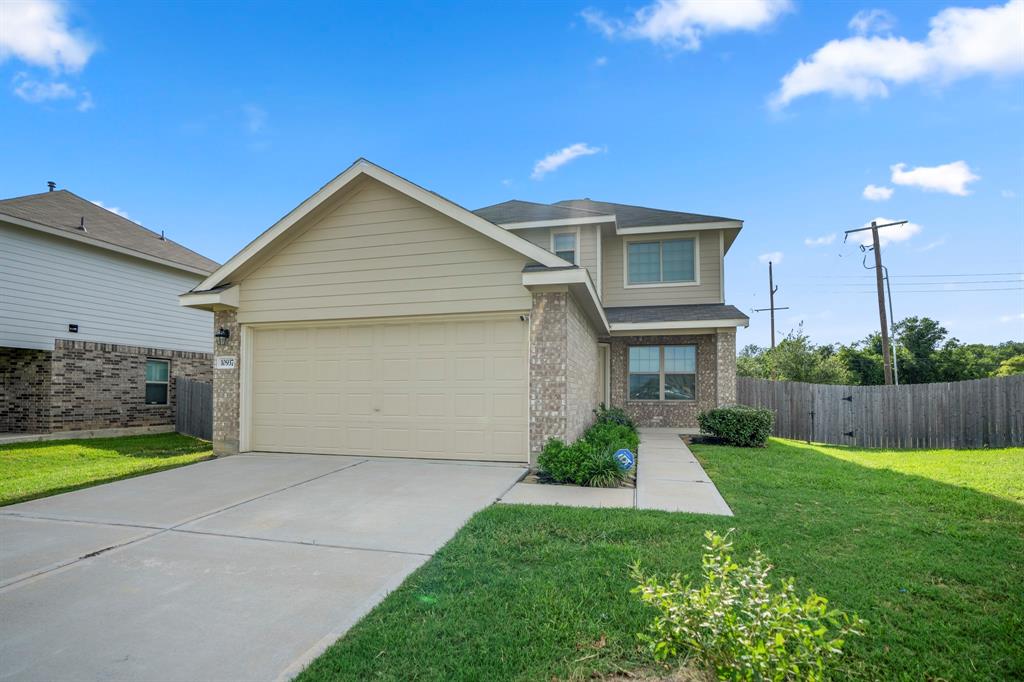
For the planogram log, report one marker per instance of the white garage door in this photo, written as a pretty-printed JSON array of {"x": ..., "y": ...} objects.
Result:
[{"x": 446, "y": 387}]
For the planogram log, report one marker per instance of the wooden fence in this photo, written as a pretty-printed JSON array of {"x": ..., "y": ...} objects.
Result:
[
  {"x": 964, "y": 414},
  {"x": 194, "y": 409}
]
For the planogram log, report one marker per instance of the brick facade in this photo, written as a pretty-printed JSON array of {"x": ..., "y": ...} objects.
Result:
[
  {"x": 725, "y": 356},
  {"x": 713, "y": 359},
  {"x": 226, "y": 386},
  {"x": 84, "y": 385},
  {"x": 24, "y": 390},
  {"x": 564, "y": 372}
]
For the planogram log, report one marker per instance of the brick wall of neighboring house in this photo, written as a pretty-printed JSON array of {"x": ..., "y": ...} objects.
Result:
[
  {"x": 226, "y": 386},
  {"x": 583, "y": 389},
  {"x": 24, "y": 390},
  {"x": 676, "y": 413},
  {"x": 564, "y": 373},
  {"x": 103, "y": 386}
]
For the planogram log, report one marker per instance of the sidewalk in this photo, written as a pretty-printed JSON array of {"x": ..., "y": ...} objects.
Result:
[{"x": 668, "y": 478}]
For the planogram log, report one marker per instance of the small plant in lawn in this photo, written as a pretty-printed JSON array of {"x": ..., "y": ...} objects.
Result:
[
  {"x": 747, "y": 427},
  {"x": 740, "y": 625}
]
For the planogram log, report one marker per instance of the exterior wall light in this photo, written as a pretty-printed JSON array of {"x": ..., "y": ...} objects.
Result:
[{"x": 222, "y": 334}]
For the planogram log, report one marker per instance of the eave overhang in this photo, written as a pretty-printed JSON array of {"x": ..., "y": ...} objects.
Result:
[
  {"x": 577, "y": 281},
  {"x": 224, "y": 297}
]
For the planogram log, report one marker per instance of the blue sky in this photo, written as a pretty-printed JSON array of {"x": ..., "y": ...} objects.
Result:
[{"x": 211, "y": 120}]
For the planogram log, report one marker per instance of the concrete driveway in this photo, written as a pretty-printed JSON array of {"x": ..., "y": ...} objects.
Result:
[{"x": 243, "y": 568}]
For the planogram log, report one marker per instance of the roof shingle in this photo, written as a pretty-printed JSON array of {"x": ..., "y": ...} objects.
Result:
[
  {"x": 694, "y": 312},
  {"x": 64, "y": 211}
]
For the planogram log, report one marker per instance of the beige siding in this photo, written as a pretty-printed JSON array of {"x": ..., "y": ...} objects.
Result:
[
  {"x": 380, "y": 254},
  {"x": 541, "y": 236},
  {"x": 708, "y": 291}
]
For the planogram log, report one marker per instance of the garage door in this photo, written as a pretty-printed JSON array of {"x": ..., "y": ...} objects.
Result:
[{"x": 451, "y": 388}]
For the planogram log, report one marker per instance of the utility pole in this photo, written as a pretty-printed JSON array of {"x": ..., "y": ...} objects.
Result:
[
  {"x": 772, "y": 289},
  {"x": 880, "y": 288}
]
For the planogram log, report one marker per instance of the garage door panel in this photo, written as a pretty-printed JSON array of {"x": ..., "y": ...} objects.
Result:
[{"x": 439, "y": 389}]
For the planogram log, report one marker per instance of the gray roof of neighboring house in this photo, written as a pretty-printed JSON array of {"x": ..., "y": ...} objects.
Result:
[
  {"x": 639, "y": 216},
  {"x": 516, "y": 211},
  {"x": 626, "y": 215},
  {"x": 696, "y": 312},
  {"x": 64, "y": 211}
]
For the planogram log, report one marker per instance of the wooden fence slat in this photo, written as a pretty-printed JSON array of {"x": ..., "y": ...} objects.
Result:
[
  {"x": 978, "y": 413},
  {"x": 194, "y": 408}
]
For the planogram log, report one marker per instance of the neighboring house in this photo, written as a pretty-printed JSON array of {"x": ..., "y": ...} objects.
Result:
[
  {"x": 379, "y": 318},
  {"x": 91, "y": 333}
]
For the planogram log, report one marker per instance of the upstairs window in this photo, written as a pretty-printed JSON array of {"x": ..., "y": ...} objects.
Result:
[
  {"x": 663, "y": 262},
  {"x": 662, "y": 372},
  {"x": 157, "y": 378},
  {"x": 564, "y": 245}
]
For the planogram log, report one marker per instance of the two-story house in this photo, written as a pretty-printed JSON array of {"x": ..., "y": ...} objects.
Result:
[
  {"x": 92, "y": 339},
  {"x": 379, "y": 318}
]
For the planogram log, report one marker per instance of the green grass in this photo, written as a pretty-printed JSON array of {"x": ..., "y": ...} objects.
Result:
[
  {"x": 928, "y": 546},
  {"x": 31, "y": 470}
]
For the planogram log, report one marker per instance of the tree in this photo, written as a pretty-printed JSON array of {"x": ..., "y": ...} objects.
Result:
[
  {"x": 919, "y": 337},
  {"x": 1010, "y": 366},
  {"x": 794, "y": 358}
]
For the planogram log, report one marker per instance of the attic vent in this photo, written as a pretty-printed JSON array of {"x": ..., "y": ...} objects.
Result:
[
  {"x": 52, "y": 185},
  {"x": 81, "y": 224}
]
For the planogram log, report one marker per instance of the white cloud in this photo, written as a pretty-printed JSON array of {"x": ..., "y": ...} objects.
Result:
[
  {"x": 1008, "y": 194},
  {"x": 869, "y": 21},
  {"x": 771, "y": 257},
  {"x": 876, "y": 193},
  {"x": 887, "y": 235},
  {"x": 36, "y": 92},
  {"x": 961, "y": 42},
  {"x": 255, "y": 118},
  {"x": 112, "y": 209},
  {"x": 37, "y": 32},
  {"x": 556, "y": 160},
  {"x": 933, "y": 245},
  {"x": 1011, "y": 318},
  {"x": 601, "y": 61},
  {"x": 684, "y": 24},
  {"x": 951, "y": 178},
  {"x": 820, "y": 241}
]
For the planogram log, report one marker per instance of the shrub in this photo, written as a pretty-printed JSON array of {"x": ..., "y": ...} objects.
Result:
[
  {"x": 739, "y": 624},
  {"x": 613, "y": 415},
  {"x": 605, "y": 434},
  {"x": 747, "y": 427}
]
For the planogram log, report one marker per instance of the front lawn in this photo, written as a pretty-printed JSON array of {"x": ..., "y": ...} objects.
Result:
[
  {"x": 927, "y": 546},
  {"x": 31, "y": 470}
]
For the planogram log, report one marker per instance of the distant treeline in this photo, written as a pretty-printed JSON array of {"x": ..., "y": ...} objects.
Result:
[{"x": 924, "y": 352}]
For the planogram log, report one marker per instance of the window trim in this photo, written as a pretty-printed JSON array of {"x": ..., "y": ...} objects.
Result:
[
  {"x": 575, "y": 231},
  {"x": 661, "y": 374},
  {"x": 647, "y": 240},
  {"x": 167, "y": 383}
]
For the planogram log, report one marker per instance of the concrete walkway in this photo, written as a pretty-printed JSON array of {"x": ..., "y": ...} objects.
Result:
[{"x": 668, "y": 478}]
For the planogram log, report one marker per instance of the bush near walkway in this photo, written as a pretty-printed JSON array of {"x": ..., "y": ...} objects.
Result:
[{"x": 31, "y": 470}]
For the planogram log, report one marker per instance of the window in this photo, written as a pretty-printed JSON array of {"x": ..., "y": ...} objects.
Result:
[
  {"x": 670, "y": 261},
  {"x": 157, "y": 377},
  {"x": 564, "y": 245},
  {"x": 662, "y": 372}
]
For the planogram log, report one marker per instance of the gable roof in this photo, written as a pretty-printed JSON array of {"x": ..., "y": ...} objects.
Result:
[
  {"x": 62, "y": 212},
  {"x": 627, "y": 215},
  {"x": 516, "y": 211},
  {"x": 363, "y": 168}
]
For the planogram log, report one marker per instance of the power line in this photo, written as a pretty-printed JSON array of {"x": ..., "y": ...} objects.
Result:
[{"x": 930, "y": 291}]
